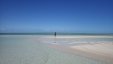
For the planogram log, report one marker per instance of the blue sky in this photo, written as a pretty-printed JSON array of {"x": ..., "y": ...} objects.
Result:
[{"x": 79, "y": 16}]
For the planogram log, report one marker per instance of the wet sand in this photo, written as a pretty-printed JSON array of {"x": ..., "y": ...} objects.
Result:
[
  {"x": 100, "y": 51},
  {"x": 43, "y": 50}
]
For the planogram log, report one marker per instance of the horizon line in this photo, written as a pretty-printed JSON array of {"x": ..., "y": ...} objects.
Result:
[{"x": 51, "y": 33}]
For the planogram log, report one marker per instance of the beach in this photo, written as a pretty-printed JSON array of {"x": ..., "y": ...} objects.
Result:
[{"x": 46, "y": 49}]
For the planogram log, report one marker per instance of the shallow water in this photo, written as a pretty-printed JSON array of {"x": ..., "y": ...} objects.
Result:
[{"x": 30, "y": 50}]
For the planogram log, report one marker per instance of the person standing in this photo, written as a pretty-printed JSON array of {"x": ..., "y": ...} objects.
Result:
[
  {"x": 55, "y": 37},
  {"x": 55, "y": 34}
]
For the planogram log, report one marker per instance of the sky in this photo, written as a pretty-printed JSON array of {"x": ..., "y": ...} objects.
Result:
[{"x": 78, "y": 16}]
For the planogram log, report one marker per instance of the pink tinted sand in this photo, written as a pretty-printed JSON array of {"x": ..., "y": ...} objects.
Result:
[{"x": 98, "y": 51}]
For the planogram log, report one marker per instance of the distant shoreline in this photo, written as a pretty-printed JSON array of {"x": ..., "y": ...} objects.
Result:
[{"x": 56, "y": 34}]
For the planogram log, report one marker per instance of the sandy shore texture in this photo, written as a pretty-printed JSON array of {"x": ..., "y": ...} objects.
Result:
[
  {"x": 31, "y": 49},
  {"x": 99, "y": 51}
]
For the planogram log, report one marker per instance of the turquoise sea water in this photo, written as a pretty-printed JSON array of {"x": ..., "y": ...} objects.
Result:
[{"x": 24, "y": 50}]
